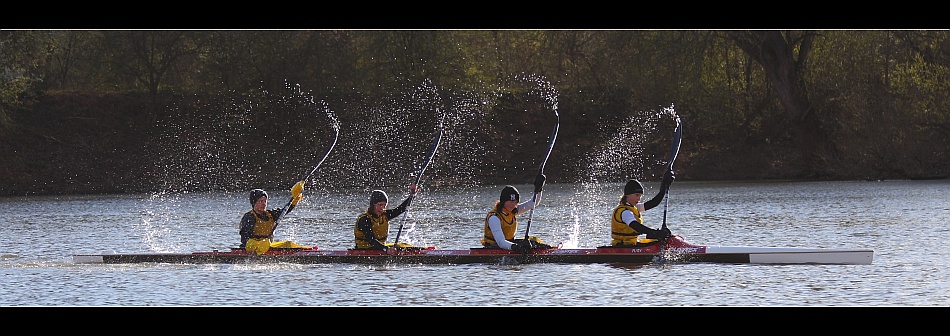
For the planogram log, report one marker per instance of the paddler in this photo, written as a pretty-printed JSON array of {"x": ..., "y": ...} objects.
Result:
[
  {"x": 372, "y": 226},
  {"x": 257, "y": 225},
  {"x": 626, "y": 222},
  {"x": 501, "y": 222}
]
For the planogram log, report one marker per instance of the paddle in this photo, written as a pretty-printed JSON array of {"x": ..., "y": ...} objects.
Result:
[
  {"x": 677, "y": 138},
  {"x": 336, "y": 129},
  {"x": 432, "y": 149},
  {"x": 557, "y": 121}
]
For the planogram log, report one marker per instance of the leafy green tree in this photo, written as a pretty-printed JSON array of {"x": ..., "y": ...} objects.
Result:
[{"x": 21, "y": 66}]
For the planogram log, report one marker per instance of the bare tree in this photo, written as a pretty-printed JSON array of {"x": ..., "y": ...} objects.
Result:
[
  {"x": 784, "y": 56},
  {"x": 149, "y": 57}
]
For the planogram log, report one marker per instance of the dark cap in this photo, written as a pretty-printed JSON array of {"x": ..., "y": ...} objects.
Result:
[
  {"x": 633, "y": 187},
  {"x": 256, "y": 194},
  {"x": 509, "y": 193},
  {"x": 377, "y": 196}
]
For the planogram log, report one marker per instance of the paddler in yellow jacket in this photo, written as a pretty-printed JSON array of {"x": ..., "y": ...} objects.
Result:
[
  {"x": 372, "y": 227},
  {"x": 257, "y": 225},
  {"x": 626, "y": 221},
  {"x": 501, "y": 224}
]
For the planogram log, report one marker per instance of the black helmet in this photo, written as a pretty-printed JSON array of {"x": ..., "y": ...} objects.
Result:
[
  {"x": 509, "y": 193},
  {"x": 633, "y": 187},
  {"x": 377, "y": 196},
  {"x": 256, "y": 194}
]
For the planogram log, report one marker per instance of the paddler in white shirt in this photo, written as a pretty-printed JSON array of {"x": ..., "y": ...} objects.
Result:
[
  {"x": 626, "y": 222},
  {"x": 501, "y": 222}
]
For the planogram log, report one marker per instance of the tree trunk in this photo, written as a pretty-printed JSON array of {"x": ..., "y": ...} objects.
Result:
[{"x": 775, "y": 51}]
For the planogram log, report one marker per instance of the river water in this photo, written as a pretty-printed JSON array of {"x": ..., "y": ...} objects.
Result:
[{"x": 904, "y": 222}]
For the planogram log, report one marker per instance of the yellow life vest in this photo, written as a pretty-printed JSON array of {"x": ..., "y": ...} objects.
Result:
[
  {"x": 623, "y": 233},
  {"x": 509, "y": 223},
  {"x": 260, "y": 237},
  {"x": 380, "y": 230},
  {"x": 263, "y": 225}
]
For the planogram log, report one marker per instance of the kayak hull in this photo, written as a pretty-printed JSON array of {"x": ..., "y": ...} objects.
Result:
[{"x": 675, "y": 250}]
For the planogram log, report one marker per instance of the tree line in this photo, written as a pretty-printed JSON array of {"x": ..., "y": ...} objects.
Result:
[{"x": 825, "y": 104}]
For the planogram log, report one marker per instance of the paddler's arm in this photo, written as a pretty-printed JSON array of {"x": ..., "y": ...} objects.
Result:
[
  {"x": 393, "y": 213},
  {"x": 668, "y": 178},
  {"x": 495, "y": 225},
  {"x": 529, "y": 204},
  {"x": 652, "y": 203},
  {"x": 631, "y": 220},
  {"x": 643, "y": 229},
  {"x": 247, "y": 227}
]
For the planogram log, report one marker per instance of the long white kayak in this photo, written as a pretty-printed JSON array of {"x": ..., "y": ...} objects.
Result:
[
  {"x": 676, "y": 249},
  {"x": 797, "y": 255}
]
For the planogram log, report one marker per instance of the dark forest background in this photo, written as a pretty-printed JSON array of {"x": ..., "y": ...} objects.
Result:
[{"x": 113, "y": 111}]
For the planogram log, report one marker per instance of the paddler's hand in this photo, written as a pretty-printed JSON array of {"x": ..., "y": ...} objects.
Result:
[
  {"x": 659, "y": 234},
  {"x": 668, "y": 178},
  {"x": 539, "y": 182},
  {"x": 297, "y": 192},
  {"x": 413, "y": 189},
  {"x": 522, "y": 247},
  {"x": 665, "y": 233}
]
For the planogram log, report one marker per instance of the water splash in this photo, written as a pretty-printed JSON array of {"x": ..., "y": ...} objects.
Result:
[
  {"x": 622, "y": 155},
  {"x": 228, "y": 142},
  {"x": 543, "y": 89},
  {"x": 157, "y": 222},
  {"x": 573, "y": 237}
]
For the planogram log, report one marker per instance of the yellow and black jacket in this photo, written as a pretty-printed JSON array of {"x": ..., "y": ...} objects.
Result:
[
  {"x": 372, "y": 231},
  {"x": 258, "y": 226}
]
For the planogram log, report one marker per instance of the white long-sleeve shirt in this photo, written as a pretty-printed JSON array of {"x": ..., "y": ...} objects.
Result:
[{"x": 628, "y": 217}]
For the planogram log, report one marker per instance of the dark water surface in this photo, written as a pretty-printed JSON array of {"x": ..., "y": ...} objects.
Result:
[{"x": 904, "y": 222}]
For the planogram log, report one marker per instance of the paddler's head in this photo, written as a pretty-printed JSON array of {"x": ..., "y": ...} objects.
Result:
[
  {"x": 258, "y": 198},
  {"x": 632, "y": 192},
  {"x": 509, "y": 193},
  {"x": 377, "y": 202},
  {"x": 509, "y": 198}
]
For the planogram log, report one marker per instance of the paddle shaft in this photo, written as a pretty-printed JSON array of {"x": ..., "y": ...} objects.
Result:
[
  {"x": 557, "y": 122},
  {"x": 432, "y": 150},
  {"x": 677, "y": 139},
  {"x": 336, "y": 136}
]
